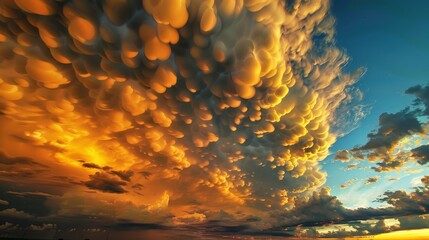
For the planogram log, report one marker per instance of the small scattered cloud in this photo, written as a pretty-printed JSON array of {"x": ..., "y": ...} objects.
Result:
[
  {"x": 124, "y": 175},
  {"x": 372, "y": 180},
  {"x": 393, "y": 179},
  {"x": 43, "y": 227},
  {"x": 24, "y": 194},
  {"x": 352, "y": 166},
  {"x": 343, "y": 156},
  {"x": 91, "y": 165}
]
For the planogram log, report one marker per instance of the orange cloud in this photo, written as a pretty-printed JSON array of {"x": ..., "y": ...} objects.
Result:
[{"x": 224, "y": 108}]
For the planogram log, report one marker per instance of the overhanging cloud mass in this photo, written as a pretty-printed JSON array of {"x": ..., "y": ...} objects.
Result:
[{"x": 170, "y": 112}]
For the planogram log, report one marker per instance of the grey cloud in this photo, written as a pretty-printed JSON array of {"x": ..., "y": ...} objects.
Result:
[
  {"x": 6, "y": 160},
  {"x": 91, "y": 165},
  {"x": 25, "y": 194},
  {"x": 422, "y": 96},
  {"x": 421, "y": 153},
  {"x": 323, "y": 208},
  {"x": 124, "y": 175},
  {"x": 392, "y": 128},
  {"x": 12, "y": 213},
  {"x": 105, "y": 183},
  {"x": 414, "y": 222}
]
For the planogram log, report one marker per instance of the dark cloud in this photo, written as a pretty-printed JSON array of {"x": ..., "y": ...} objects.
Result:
[
  {"x": 91, "y": 165},
  {"x": 145, "y": 174},
  {"x": 12, "y": 213},
  {"x": 392, "y": 128},
  {"x": 421, "y": 153},
  {"x": 324, "y": 209},
  {"x": 105, "y": 183},
  {"x": 26, "y": 194},
  {"x": 138, "y": 186},
  {"x": 319, "y": 209},
  {"x": 6, "y": 160},
  {"x": 388, "y": 163},
  {"x": 414, "y": 222},
  {"x": 124, "y": 175},
  {"x": 422, "y": 96}
]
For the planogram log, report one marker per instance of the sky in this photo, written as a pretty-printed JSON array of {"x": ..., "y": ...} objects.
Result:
[{"x": 198, "y": 119}]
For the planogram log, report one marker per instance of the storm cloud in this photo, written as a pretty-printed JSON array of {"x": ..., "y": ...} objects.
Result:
[{"x": 222, "y": 110}]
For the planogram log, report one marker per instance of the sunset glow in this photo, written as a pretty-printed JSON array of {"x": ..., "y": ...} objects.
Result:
[{"x": 148, "y": 119}]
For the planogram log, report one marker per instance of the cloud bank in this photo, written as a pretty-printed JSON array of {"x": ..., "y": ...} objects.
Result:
[{"x": 192, "y": 111}]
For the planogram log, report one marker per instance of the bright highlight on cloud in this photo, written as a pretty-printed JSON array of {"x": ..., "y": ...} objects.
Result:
[{"x": 176, "y": 112}]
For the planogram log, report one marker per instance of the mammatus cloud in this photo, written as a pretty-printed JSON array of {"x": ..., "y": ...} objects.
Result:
[{"x": 193, "y": 111}]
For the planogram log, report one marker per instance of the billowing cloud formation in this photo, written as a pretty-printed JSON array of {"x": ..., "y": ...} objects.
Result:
[
  {"x": 224, "y": 107},
  {"x": 322, "y": 209}
]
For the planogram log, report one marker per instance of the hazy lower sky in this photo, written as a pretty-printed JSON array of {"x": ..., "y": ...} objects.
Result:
[{"x": 177, "y": 119}]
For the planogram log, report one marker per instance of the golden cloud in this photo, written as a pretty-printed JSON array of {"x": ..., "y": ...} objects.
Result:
[{"x": 223, "y": 105}]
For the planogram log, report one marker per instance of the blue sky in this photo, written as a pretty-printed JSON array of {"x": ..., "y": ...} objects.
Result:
[{"x": 389, "y": 39}]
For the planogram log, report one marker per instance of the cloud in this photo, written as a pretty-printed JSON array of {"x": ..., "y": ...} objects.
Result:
[
  {"x": 372, "y": 180},
  {"x": 105, "y": 183},
  {"x": 4, "y": 202},
  {"x": 43, "y": 227},
  {"x": 7, "y": 226},
  {"x": 414, "y": 222},
  {"x": 352, "y": 166},
  {"x": 411, "y": 203},
  {"x": 24, "y": 194},
  {"x": 124, "y": 175},
  {"x": 393, "y": 179},
  {"x": 383, "y": 145},
  {"x": 91, "y": 165},
  {"x": 205, "y": 104},
  {"x": 323, "y": 209},
  {"x": 421, "y": 153},
  {"x": 342, "y": 155},
  {"x": 13, "y": 213},
  {"x": 422, "y": 96},
  {"x": 392, "y": 128},
  {"x": 6, "y": 160},
  {"x": 348, "y": 183}
]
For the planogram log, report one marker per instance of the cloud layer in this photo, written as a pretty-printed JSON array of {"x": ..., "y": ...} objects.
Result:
[{"x": 192, "y": 111}]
